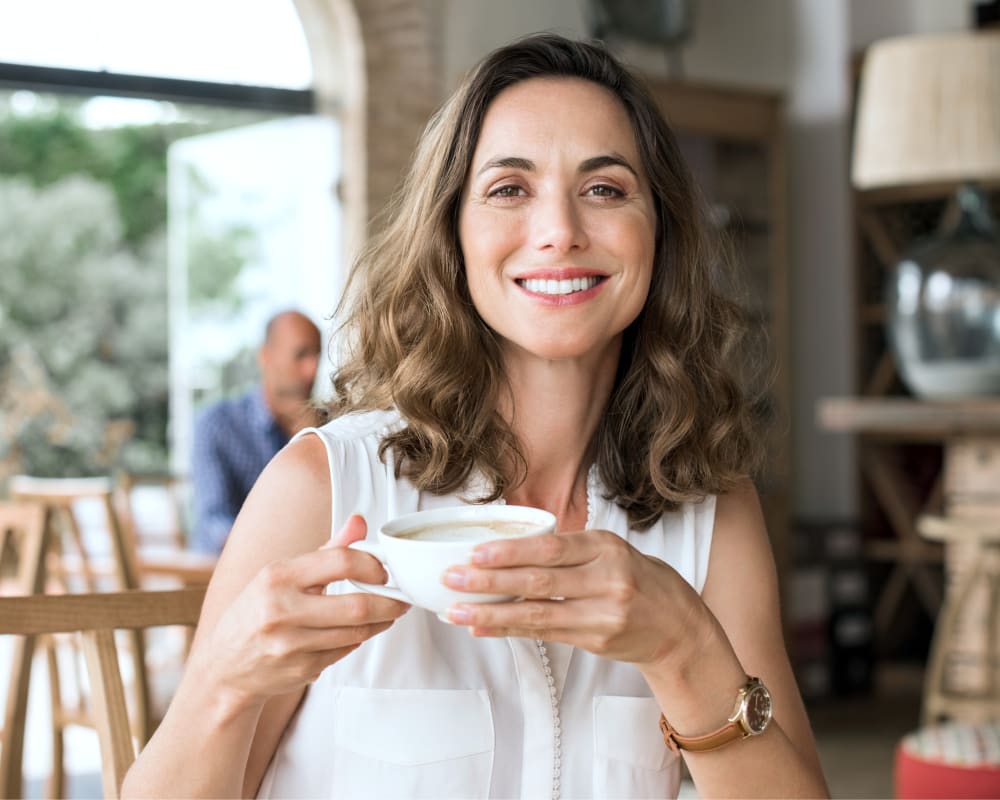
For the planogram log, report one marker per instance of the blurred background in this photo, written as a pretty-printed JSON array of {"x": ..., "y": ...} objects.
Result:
[{"x": 171, "y": 174}]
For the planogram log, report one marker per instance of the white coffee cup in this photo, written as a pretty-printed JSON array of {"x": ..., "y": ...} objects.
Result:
[{"x": 417, "y": 549}]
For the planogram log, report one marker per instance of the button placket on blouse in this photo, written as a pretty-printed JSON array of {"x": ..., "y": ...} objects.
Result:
[
  {"x": 556, "y": 721},
  {"x": 550, "y": 679}
]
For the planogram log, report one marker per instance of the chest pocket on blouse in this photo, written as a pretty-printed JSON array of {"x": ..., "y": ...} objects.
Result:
[
  {"x": 412, "y": 743},
  {"x": 630, "y": 758}
]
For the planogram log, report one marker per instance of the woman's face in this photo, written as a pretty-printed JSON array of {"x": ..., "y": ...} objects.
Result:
[{"x": 557, "y": 223}]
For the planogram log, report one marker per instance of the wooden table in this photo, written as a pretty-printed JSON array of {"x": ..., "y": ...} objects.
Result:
[{"x": 969, "y": 485}]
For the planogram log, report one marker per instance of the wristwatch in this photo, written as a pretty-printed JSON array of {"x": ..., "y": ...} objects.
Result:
[{"x": 750, "y": 718}]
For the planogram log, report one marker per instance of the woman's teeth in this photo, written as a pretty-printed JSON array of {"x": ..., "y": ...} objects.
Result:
[{"x": 559, "y": 287}]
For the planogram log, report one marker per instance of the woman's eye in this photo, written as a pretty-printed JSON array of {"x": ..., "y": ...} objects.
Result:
[
  {"x": 604, "y": 190},
  {"x": 506, "y": 191}
]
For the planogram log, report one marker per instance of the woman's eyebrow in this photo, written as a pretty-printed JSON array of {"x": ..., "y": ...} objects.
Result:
[
  {"x": 587, "y": 165},
  {"x": 606, "y": 160},
  {"x": 507, "y": 162}
]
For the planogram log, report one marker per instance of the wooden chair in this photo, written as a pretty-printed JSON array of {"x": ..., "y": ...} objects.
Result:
[
  {"x": 96, "y": 617},
  {"x": 73, "y": 564},
  {"x": 22, "y": 536},
  {"x": 160, "y": 554},
  {"x": 23, "y": 544},
  {"x": 173, "y": 491}
]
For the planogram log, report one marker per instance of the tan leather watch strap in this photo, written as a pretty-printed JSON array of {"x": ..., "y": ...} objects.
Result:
[
  {"x": 750, "y": 717},
  {"x": 710, "y": 741}
]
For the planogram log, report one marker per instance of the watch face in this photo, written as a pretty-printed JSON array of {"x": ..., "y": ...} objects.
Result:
[{"x": 758, "y": 707}]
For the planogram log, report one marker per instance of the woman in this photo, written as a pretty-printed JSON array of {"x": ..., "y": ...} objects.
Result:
[{"x": 537, "y": 325}]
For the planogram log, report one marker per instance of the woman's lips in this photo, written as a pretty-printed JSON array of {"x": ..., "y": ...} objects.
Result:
[{"x": 562, "y": 290}]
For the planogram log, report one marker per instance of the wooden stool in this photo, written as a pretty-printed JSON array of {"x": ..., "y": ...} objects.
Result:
[
  {"x": 22, "y": 540},
  {"x": 62, "y": 497},
  {"x": 69, "y": 568},
  {"x": 962, "y": 679}
]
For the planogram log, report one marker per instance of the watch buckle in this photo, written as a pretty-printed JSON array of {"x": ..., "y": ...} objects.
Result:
[{"x": 668, "y": 735}]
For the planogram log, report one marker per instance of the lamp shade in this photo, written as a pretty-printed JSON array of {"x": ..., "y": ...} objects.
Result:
[{"x": 928, "y": 111}]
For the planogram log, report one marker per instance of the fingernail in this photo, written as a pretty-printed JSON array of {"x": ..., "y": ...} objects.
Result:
[
  {"x": 460, "y": 615},
  {"x": 455, "y": 578},
  {"x": 482, "y": 555}
]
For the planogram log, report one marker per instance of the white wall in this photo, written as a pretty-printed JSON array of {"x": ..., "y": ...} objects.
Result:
[
  {"x": 736, "y": 41},
  {"x": 820, "y": 253},
  {"x": 881, "y": 18},
  {"x": 474, "y": 27}
]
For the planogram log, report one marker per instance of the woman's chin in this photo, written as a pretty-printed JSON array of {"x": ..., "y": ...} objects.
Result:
[{"x": 558, "y": 351}]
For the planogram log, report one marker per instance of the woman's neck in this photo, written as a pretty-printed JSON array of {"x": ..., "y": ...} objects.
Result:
[{"x": 554, "y": 410}]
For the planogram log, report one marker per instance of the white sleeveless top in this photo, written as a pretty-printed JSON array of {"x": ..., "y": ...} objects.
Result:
[{"x": 426, "y": 710}]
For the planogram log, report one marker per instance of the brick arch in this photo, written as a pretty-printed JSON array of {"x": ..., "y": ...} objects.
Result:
[{"x": 376, "y": 66}]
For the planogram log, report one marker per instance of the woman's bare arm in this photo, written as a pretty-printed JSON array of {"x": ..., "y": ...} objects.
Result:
[
  {"x": 742, "y": 593},
  {"x": 266, "y": 631}
]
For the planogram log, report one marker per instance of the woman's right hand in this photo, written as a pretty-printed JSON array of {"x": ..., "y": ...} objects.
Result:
[
  {"x": 281, "y": 631},
  {"x": 266, "y": 630}
]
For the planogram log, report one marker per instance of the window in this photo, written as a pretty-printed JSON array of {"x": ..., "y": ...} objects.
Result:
[
  {"x": 253, "y": 223},
  {"x": 222, "y": 41}
]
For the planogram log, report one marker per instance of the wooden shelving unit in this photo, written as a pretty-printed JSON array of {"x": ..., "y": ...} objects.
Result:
[
  {"x": 734, "y": 141},
  {"x": 900, "y": 464}
]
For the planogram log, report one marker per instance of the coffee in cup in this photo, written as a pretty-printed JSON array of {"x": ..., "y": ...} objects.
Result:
[
  {"x": 463, "y": 531},
  {"x": 417, "y": 549}
]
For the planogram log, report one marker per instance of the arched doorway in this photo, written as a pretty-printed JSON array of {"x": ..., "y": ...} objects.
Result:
[{"x": 376, "y": 65}]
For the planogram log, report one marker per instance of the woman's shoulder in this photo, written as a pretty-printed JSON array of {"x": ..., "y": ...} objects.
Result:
[
  {"x": 694, "y": 517},
  {"x": 684, "y": 536},
  {"x": 341, "y": 446},
  {"x": 741, "y": 547},
  {"x": 343, "y": 459},
  {"x": 706, "y": 539},
  {"x": 357, "y": 425},
  {"x": 681, "y": 537}
]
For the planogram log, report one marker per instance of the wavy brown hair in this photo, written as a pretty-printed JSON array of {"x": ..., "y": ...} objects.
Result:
[{"x": 678, "y": 425}]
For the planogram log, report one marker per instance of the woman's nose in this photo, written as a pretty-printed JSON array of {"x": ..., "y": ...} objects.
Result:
[{"x": 557, "y": 224}]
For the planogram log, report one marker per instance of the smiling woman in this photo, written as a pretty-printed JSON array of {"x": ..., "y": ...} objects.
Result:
[{"x": 610, "y": 406}]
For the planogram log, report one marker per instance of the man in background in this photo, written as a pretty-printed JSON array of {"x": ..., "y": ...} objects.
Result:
[{"x": 235, "y": 438}]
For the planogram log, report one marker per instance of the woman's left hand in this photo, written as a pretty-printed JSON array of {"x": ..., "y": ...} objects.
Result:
[{"x": 591, "y": 589}]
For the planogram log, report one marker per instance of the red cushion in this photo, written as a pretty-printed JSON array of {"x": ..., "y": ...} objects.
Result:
[{"x": 957, "y": 760}]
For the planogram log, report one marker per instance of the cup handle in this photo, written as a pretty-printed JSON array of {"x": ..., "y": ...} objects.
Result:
[{"x": 377, "y": 588}]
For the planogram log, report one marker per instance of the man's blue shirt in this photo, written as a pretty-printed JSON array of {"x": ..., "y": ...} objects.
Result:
[{"x": 233, "y": 441}]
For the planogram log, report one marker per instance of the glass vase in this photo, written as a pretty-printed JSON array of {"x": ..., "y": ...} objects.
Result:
[{"x": 944, "y": 307}]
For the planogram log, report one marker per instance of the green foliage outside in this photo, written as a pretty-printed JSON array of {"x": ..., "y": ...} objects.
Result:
[
  {"x": 83, "y": 292},
  {"x": 83, "y": 343},
  {"x": 130, "y": 160}
]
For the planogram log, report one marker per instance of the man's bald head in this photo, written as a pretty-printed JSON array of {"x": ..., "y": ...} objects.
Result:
[
  {"x": 288, "y": 360},
  {"x": 296, "y": 320}
]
